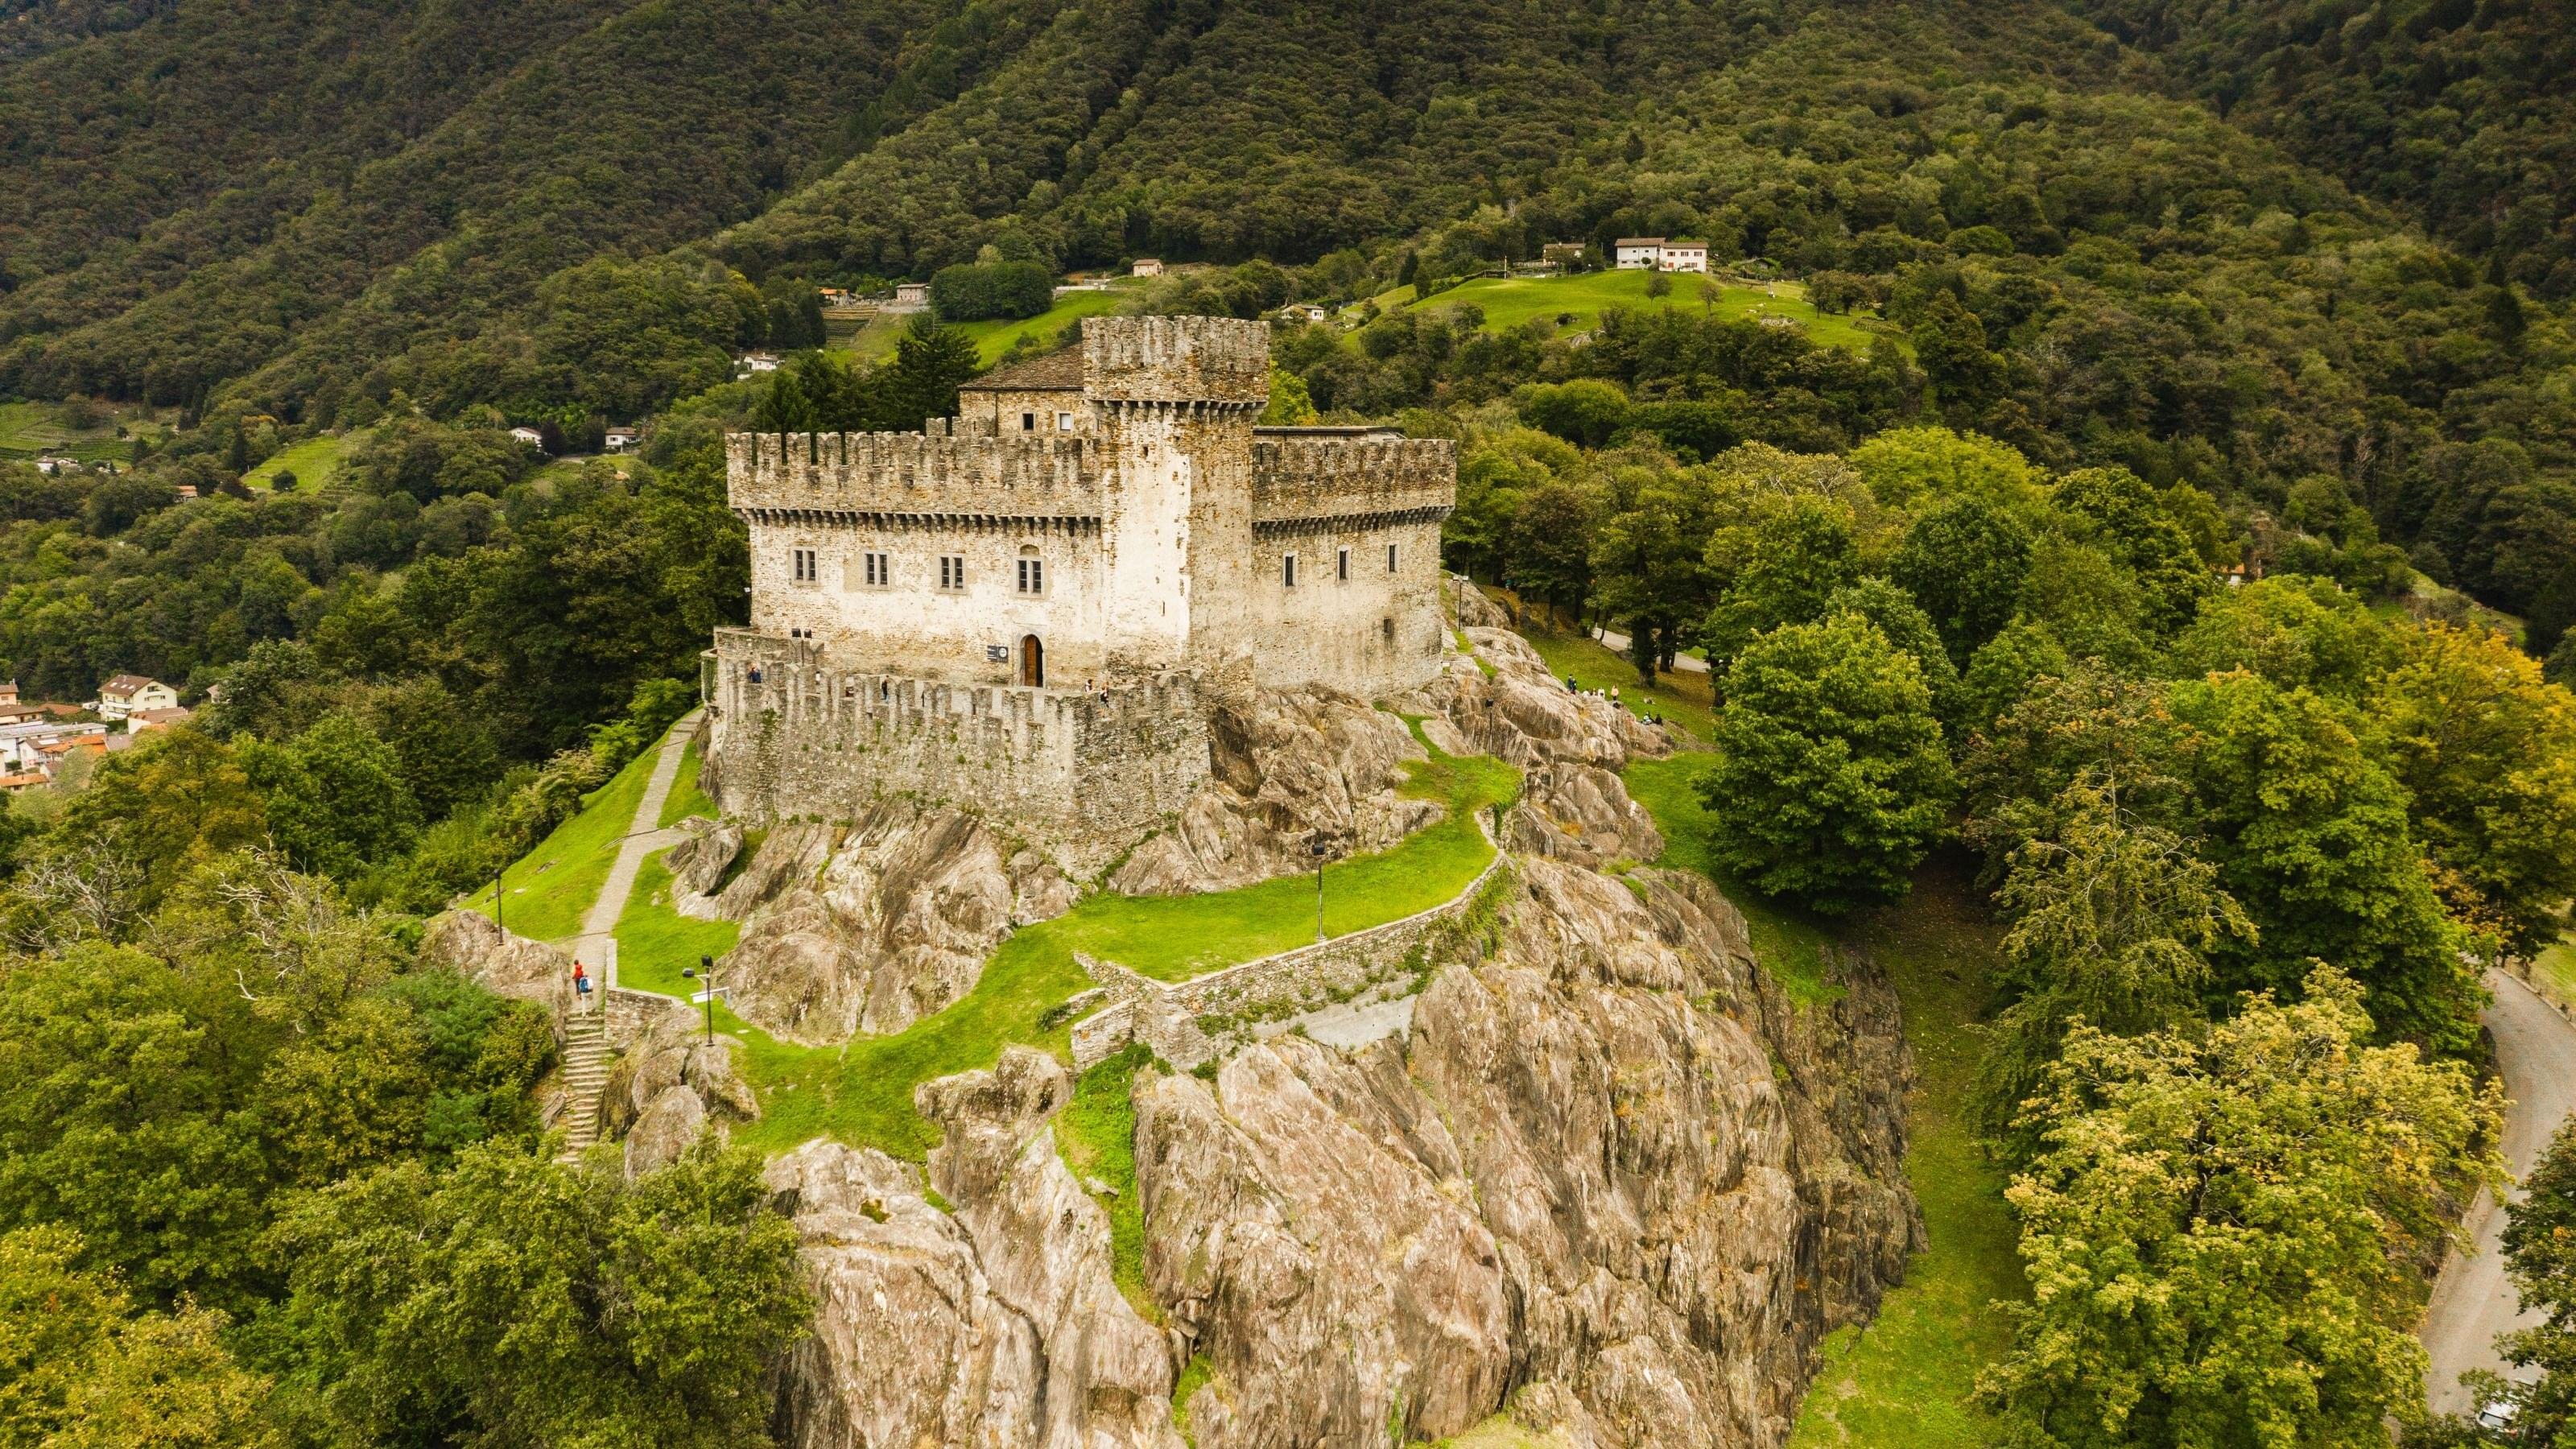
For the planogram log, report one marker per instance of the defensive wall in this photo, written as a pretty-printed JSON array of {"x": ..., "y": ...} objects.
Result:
[{"x": 1084, "y": 772}]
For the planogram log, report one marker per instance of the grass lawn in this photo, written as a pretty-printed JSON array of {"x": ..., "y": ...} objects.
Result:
[
  {"x": 1096, "y": 1134},
  {"x": 686, "y": 799},
  {"x": 312, "y": 461},
  {"x": 994, "y": 336},
  {"x": 2554, "y": 971},
  {"x": 31, "y": 429},
  {"x": 861, "y": 1092},
  {"x": 1508, "y": 302},
  {"x": 551, "y": 888},
  {"x": 1903, "y": 1381},
  {"x": 1683, "y": 699},
  {"x": 654, "y": 942}
]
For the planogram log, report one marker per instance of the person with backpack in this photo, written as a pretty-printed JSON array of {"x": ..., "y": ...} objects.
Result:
[{"x": 581, "y": 985}]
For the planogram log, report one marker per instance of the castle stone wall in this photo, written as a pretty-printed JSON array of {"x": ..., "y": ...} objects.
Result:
[{"x": 1081, "y": 774}]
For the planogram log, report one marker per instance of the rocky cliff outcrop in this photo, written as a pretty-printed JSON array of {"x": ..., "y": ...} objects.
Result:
[
  {"x": 1611, "y": 1179},
  {"x": 468, "y": 943},
  {"x": 997, "y": 1324},
  {"x": 1290, "y": 770},
  {"x": 671, "y": 1087},
  {"x": 867, "y": 928},
  {"x": 1582, "y": 1174}
]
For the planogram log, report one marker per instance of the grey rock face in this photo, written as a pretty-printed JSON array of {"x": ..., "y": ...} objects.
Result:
[
  {"x": 866, "y": 931},
  {"x": 1610, "y": 1177},
  {"x": 1581, "y": 814},
  {"x": 468, "y": 943},
  {"x": 1524, "y": 715},
  {"x": 998, "y": 1326},
  {"x": 699, "y": 862},
  {"x": 1295, "y": 767}
]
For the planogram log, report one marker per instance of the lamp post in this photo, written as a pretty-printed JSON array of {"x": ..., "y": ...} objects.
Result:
[
  {"x": 705, "y": 970},
  {"x": 496, "y": 900},
  {"x": 1316, "y": 849}
]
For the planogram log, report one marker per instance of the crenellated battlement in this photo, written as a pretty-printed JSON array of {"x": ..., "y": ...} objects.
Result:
[
  {"x": 914, "y": 473},
  {"x": 1331, "y": 477},
  {"x": 1216, "y": 360}
]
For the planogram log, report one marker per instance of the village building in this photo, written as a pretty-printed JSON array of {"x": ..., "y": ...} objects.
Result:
[
  {"x": 1147, "y": 267},
  {"x": 910, "y": 297},
  {"x": 157, "y": 719},
  {"x": 127, "y": 693},
  {"x": 618, "y": 440},
  {"x": 1034, "y": 606},
  {"x": 529, "y": 436},
  {"x": 1566, "y": 255},
  {"x": 751, "y": 363},
  {"x": 1654, "y": 253}
]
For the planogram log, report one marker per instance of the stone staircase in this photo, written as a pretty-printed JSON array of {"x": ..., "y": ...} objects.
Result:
[{"x": 585, "y": 1074}]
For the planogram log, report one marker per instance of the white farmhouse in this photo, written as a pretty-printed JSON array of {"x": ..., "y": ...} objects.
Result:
[{"x": 127, "y": 693}]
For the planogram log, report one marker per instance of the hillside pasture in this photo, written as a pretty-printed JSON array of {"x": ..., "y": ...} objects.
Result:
[{"x": 1575, "y": 303}]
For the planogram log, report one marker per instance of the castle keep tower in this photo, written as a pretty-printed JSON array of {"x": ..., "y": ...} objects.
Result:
[{"x": 1027, "y": 607}]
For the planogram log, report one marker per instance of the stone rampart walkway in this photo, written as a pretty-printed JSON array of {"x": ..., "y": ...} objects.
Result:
[{"x": 596, "y": 946}]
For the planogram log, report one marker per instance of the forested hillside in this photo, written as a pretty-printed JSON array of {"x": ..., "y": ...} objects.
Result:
[{"x": 2464, "y": 113}]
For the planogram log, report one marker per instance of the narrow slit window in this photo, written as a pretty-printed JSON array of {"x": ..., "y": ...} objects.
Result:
[
  {"x": 1342, "y": 564},
  {"x": 1390, "y": 558},
  {"x": 1288, "y": 570}
]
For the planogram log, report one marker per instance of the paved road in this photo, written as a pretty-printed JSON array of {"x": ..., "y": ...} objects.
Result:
[
  {"x": 595, "y": 946},
  {"x": 1682, "y": 663},
  {"x": 2472, "y": 1300}
]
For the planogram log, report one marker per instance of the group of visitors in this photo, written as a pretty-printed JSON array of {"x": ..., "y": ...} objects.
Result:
[{"x": 1645, "y": 715}]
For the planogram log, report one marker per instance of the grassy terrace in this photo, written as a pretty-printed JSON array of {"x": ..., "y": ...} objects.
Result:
[
  {"x": 1682, "y": 699},
  {"x": 549, "y": 890},
  {"x": 1510, "y": 302},
  {"x": 862, "y": 1092},
  {"x": 313, "y": 462}
]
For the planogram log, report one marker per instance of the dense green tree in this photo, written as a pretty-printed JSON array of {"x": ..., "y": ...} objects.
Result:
[
  {"x": 2114, "y": 920},
  {"x": 1830, "y": 782},
  {"x": 1648, "y": 557},
  {"x": 79, "y": 1369},
  {"x": 2217, "y": 1229},
  {"x": 2310, "y": 833},
  {"x": 1925, "y": 467},
  {"x": 1963, "y": 559},
  {"x": 334, "y": 797},
  {"x": 1950, "y": 343},
  {"x": 1786, "y": 566},
  {"x": 2292, "y": 632},
  {"x": 2486, "y": 751},
  {"x": 1910, "y": 630},
  {"x": 515, "y": 1300},
  {"x": 1585, "y": 411}
]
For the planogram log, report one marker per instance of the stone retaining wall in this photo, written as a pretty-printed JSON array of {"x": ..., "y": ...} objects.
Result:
[{"x": 1193, "y": 1021}]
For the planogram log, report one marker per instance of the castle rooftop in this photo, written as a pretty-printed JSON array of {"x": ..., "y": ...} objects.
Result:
[{"x": 1059, "y": 371}]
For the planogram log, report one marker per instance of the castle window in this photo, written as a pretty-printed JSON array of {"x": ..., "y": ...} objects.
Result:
[
  {"x": 1288, "y": 570},
  {"x": 876, "y": 570},
  {"x": 1064, "y": 422},
  {"x": 1386, "y": 631},
  {"x": 952, "y": 571},
  {"x": 1342, "y": 564},
  {"x": 808, "y": 567},
  {"x": 1028, "y": 422},
  {"x": 1390, "y": 558},
  {"x": 1032, "y": 576}
]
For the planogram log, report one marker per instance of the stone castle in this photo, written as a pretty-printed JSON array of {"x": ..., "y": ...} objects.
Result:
[{"x": 1033, "y": 607}]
